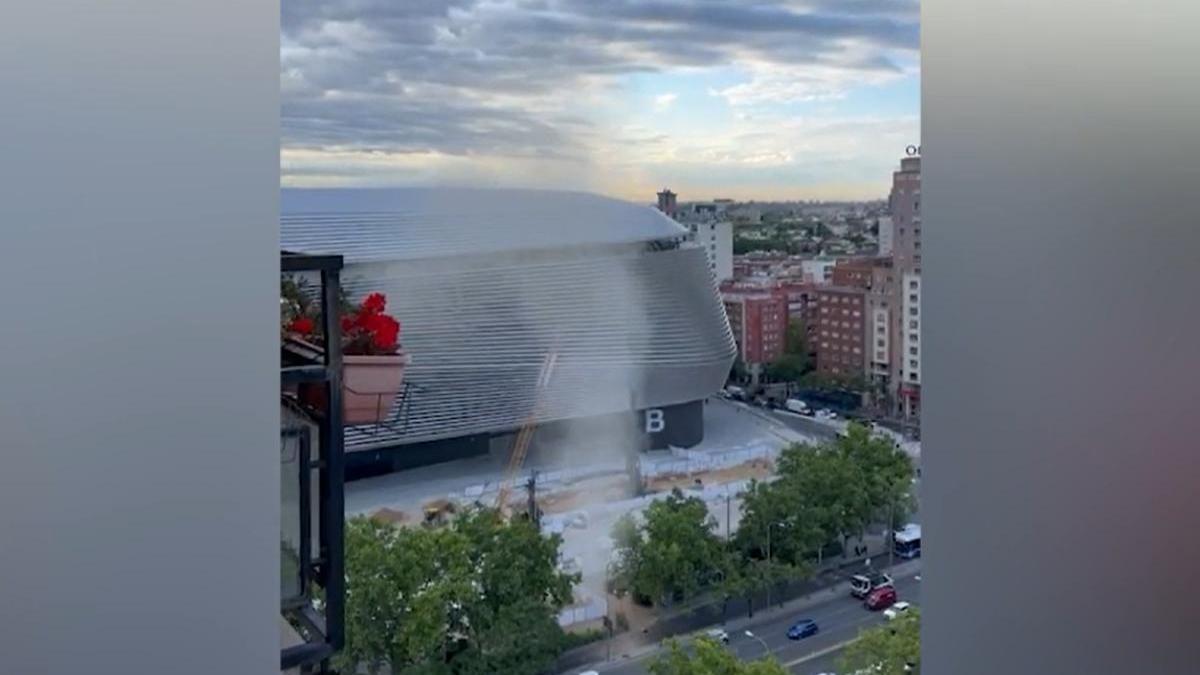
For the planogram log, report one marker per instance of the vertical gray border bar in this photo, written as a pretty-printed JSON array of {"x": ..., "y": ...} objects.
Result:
[
  {"x": 1062, "y": 308},
  {"x": 139, "y": 494}
]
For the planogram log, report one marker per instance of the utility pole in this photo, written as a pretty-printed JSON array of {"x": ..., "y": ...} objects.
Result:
[
  {"x": 891, "y": 540},
  {"x": 769, "y": 526},
  {"x": 535, "y": 515},
  {"x": 728, "y": 522}
]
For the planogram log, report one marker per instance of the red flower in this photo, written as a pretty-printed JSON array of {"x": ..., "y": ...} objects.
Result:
[
  {"x": 385, "y": 331},
  {"x": 374, "y": 304},
  {"x": 347, "y": 324},
  {"x": 302, "y": 325}
]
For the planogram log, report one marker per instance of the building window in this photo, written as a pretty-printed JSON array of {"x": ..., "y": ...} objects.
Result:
[
  {"x": 912, "y": 311},
  {"x": 913, "y": 284},
  {"x": 912, "y": 376},
  {"x": 857, "y": 350},
  {"x": 824, "y": 345},
  {"x": 912, "y": 363},
  {"x": 912, "y": 325},
  {"x": 857, "y": 326},
  {"x": 880, "y": 343},
  {"x": 912, "y": 351},
  {"x": 857, "y": 313},
  {"x": 912, "y": 337},
  {"x": 913, "y": 298}
]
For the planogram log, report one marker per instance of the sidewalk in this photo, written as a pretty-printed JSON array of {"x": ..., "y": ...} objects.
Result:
[{"x": 828, "y": 583}]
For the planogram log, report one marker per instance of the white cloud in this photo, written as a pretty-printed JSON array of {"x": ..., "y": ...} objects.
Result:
[{"x": 664, "y": 101}]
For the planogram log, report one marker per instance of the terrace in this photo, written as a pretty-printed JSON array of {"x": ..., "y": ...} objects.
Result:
[{"x": 311, "y": 487}]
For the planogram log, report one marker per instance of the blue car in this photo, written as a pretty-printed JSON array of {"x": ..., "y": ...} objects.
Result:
[{"x": 802, "y": 629}]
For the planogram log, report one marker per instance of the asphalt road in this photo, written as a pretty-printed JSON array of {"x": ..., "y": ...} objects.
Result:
[
  {"x": 805, "y": 425},
  {"x": 840, "y": 620}
]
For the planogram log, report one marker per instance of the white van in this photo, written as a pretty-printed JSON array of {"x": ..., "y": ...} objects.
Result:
[{"x": 797, "y": 406}]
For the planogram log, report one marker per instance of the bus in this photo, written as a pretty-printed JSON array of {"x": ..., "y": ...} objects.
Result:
[{"x": 906, "y": 542}]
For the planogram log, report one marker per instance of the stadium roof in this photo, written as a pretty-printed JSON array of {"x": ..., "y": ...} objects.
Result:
[{"x": 392, "y": 224}]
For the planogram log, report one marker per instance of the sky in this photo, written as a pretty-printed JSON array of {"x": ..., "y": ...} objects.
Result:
[{"x": 739, "y": 99}]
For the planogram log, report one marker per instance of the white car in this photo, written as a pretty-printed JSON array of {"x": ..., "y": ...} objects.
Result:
[
  {"x": 896, "y": 610},
  {"x": 718, "y": 635}
]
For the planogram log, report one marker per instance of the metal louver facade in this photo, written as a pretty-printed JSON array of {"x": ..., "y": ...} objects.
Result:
[{"x": 635, "y": 326}]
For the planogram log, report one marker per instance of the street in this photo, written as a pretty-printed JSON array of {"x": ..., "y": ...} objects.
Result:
[
  {"x": 840, "y": 621},
  {"x": 822, "y": 431}
]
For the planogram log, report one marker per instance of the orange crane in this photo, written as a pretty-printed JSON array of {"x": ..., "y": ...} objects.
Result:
[{"x": 524, "y": 435}]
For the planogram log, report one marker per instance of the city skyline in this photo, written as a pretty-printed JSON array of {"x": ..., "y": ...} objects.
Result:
[{"x": 766, "y": 100}]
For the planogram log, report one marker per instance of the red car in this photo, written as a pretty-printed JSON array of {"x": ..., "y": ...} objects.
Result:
[{"x": 880, "y": 598}]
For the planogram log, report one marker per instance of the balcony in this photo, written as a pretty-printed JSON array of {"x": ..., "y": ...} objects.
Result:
[{"x": 312, "y": 578}]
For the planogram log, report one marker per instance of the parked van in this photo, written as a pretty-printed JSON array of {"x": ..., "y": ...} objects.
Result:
[
  {"x": 861, "y": 585},
  {"x": 797, "y": 406}
]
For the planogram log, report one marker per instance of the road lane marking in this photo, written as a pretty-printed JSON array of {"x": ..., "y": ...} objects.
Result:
[{"x": 821, "y": 652}]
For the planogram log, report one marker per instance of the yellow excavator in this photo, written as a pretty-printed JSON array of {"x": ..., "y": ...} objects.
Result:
[{"x": 521, "y": 441}]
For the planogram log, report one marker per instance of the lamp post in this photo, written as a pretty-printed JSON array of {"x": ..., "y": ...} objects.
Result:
[
  {"x": 760, "y": 641},
  {"x": 769, "y": 581}
]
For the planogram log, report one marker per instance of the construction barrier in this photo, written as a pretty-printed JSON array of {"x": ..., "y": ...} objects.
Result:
[{"x": 593, "y": 610}]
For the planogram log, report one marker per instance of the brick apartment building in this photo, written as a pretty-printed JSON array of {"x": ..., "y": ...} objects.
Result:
[
  {"x": 841, "y": 331},
  {"x": 758, "y": 319},
  {"x": 802, "y": 304},
  {"x": 905, "y": 204},
  {"x": 854, "y": 272}
]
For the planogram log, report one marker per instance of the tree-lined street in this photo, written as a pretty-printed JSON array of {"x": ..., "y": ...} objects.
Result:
[{"x": 840, "y": 620}]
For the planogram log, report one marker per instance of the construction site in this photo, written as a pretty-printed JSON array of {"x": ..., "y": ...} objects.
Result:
[{"x": 578, "y": 488}]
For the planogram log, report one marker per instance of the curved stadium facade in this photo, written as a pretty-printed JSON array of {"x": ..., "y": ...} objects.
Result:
[{"x": 487, "y": 282}]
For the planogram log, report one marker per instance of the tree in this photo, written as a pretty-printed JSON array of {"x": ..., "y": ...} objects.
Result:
[
  {"x": 709, "y": 658},
  {"x": 480, "y": 596},
  {"x": 796, "y": 338},
  {"x": 884, "y": 473},
  {"x": 786, "y": 368},
  {"x": 672, "y": 555},
  {"x": 814, "y": 500},
  {"x": 824, "y": 493},
  {"x": 891, "y": 649},
  {"x": 794, "y": 364}
]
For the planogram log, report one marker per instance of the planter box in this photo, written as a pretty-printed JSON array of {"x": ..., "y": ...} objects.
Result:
[{"x": 370, "y": 385}]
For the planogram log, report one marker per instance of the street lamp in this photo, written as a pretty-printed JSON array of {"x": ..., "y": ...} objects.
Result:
[
  {"x": 769, "y": 584},
  {"x": 760, "y": 641}
]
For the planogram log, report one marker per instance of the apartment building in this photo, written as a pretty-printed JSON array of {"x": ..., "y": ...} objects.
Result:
[
  {"x": 841, "y": 331},
  {"x": 905, "y": 205},
  {"x": 716, "y": 238},
  {"x": 759, "y": 320}
]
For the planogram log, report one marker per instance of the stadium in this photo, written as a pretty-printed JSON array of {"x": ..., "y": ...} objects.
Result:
[{"x": 486, "y": 283}]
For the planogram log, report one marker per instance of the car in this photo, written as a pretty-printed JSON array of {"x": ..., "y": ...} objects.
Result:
[
  {"x": 880, "y": 598},
  {"x": 896, "y": 610},
  {"x": 802, "y": 629},
  {"x": 717, "y": 635}
]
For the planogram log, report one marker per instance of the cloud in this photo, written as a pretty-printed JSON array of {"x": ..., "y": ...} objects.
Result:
[{"x": 487, "y": 81}]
